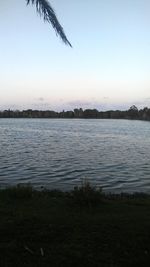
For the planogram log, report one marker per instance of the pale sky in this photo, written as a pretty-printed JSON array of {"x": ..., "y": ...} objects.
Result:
[{"x": 107, "y": 68}]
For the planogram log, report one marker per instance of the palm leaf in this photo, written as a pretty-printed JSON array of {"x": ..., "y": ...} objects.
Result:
[{"x": 44, "y": 9}]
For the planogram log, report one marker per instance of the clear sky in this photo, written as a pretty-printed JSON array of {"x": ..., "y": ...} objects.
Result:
[{"x": 107, "y": 68}]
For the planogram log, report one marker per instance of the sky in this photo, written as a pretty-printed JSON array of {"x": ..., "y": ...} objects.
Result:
[{"x": 107, "y": 68}]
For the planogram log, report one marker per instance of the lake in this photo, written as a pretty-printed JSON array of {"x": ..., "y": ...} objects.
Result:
[{"x": 60, "y": 153}]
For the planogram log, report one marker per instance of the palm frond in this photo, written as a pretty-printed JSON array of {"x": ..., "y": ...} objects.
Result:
[{"x": 44, "y": 9}]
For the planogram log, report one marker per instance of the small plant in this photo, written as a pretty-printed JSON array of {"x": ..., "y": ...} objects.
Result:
[
  {"x": 20, "y": 191},
  {"x": 86, "y": 194}
]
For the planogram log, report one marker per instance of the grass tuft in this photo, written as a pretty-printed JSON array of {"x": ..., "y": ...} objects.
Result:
[
  {"x": 87, "y": 194},
  {"x": 20, "y": 191}
]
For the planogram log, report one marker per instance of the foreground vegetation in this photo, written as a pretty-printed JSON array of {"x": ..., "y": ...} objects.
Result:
[{"x": 81, "y": 228}]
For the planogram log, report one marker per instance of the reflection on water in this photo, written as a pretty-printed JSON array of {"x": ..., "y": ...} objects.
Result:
[{"x": 58, "y": 153}]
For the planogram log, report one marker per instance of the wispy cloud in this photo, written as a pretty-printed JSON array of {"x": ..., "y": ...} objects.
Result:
[{"x": 41, "y": 99}]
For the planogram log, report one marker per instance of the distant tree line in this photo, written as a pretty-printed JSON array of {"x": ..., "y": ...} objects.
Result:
[{"x": 132, "y": 113}]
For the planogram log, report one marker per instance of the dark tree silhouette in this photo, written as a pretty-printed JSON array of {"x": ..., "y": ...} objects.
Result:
[
  {"x": 132, "y": 114},
  {"x": 45, "y": 10}
]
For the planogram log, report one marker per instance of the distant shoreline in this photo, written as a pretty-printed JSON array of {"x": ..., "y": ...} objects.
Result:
[{"x": 133, "y": 113}]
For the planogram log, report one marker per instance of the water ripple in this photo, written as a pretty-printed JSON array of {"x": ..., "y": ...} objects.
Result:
[{"x": 57, "y": 153}]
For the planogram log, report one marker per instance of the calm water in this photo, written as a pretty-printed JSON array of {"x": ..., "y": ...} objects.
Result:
[{"x": 114, "y": 154}]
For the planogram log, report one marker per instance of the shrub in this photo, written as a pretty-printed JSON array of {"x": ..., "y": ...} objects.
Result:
[
  {"x": 86, "y": 194},
  {"x": 20, "y": 191}
]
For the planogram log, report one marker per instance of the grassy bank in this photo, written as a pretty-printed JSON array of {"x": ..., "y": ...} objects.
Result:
[{"x": 80, "y": 228}]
